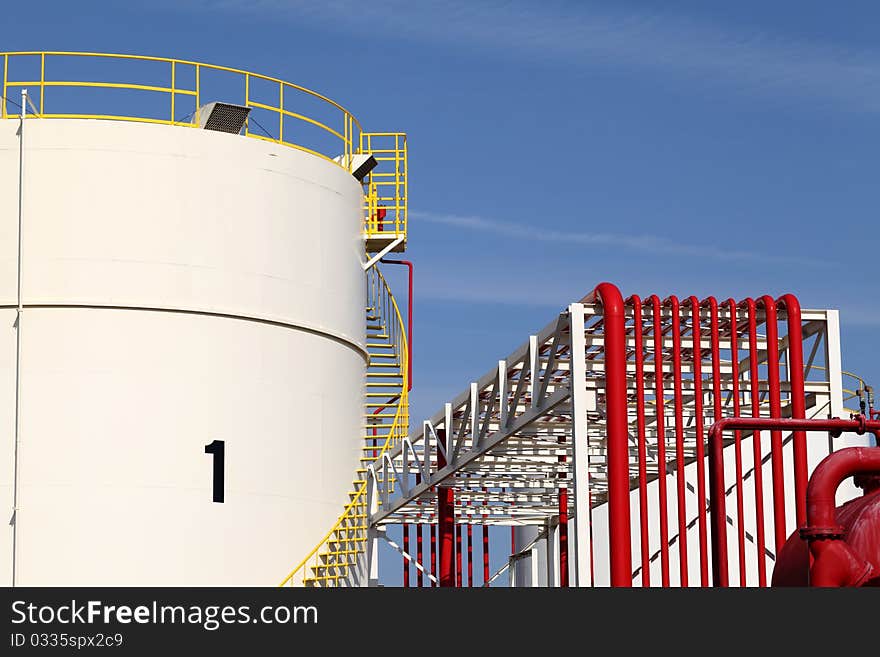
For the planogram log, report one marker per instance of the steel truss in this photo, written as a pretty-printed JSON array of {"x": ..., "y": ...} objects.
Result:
[{"x": 536, "y": 428}]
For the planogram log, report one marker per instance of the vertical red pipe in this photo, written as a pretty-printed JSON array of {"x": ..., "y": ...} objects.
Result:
[
  {"x": 697, "y": 358},
  {"x": 458, "y": 528},
  {"x": 563, "y": 526},
  {"x": 470, "y": 552},
  {"x": 485, "y": 536},
  {"x": 776, "y": 463},
  {"x": 435, "y": 571},
  {"x": 756, "y": 442},
  {"x": 563, "y": 538},
  {"x": 445, "y": 523},
  {"x": 406, "y": 557},
  {"x": 717, "y": 511},
  {"x": 420, "y": 547},
  {"x": 679, "y": 441},
  {"x": 617, "y": 427},
  {"x": 737, "y": 445},
  {"x": 798, "y": 401},
  {"x": 661, "y": 438},
  {"x": 486, "y": 574},
  {"x": 636, "y": 303}
]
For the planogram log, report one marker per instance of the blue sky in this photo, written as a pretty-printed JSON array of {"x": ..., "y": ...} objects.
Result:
[{"x": 678, "y": 147}]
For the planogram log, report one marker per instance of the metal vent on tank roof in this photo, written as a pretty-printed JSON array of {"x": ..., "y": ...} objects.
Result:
[{"x": 223, "y": 117}]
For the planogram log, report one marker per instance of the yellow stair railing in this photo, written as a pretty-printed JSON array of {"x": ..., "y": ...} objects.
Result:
[{"x": 336, "y": 559}]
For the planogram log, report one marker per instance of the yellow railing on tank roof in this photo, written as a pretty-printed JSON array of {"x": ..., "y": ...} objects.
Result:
[{"x": 336, "y": 122}]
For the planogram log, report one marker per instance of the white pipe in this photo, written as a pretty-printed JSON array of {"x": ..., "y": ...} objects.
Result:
[{"x": 18, "y": 317}]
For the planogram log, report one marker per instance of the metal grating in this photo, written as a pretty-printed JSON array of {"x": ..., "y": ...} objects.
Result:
[{"x": 223, "y": 117}]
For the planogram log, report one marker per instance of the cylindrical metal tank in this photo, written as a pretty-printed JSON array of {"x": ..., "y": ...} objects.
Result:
[
  {"x": 860, "y": 521},
  {"x": 178, "y": 287}
]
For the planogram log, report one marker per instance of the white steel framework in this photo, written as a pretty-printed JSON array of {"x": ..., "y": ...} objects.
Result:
[{"x": 521, "y": 433}]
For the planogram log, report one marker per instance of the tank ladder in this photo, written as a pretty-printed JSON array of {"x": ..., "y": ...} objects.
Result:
[{"x": 339, "y": 559}]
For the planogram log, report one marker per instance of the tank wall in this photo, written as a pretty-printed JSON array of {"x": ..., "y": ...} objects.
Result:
[{"x": 180, "y": 287}]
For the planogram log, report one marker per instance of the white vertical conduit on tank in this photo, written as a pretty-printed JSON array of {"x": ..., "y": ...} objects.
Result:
[{"x": 18, "y": 313}]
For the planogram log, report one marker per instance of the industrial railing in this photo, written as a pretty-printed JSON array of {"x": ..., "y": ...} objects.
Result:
[
  {"x": 386, "y": 185},
  {"x": 138, "y": 88},
  {"x": 339, "y": 557},
  {"x": 183, "y": 86}
]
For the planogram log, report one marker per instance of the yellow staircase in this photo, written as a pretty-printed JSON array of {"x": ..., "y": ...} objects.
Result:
[{"x": 339, "y": 558}]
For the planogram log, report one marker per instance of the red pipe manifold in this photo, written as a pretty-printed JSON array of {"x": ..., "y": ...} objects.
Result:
[
  {"x": 615, "y": 330},
  {"x": 617, "y": 430}
]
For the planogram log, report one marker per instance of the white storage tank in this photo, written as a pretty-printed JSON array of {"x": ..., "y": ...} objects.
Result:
[{"x": 184, "y": 293}]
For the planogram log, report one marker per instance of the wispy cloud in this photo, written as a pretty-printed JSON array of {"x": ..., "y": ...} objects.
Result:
[
  {"x": 862, "y": 316},
  {"x": 652, "y": 244},
  {"x": 572, "y": 33}
]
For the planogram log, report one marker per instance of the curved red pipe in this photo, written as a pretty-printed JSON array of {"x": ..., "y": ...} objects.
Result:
[
  {"x": 639, "y": 353},
  {"x": 661, "y": 438},
  {"x": 776, "y": 466},
  {"x": 836, "y": 563},
  {"x": 797, "y": 399},
  {"x": 673, "y": 304},
  {"x": 758, "y": 471},
  {"x": 697, "y": 361},
  {"x": 737, "y": 449},
  {"x": 617, "y": 431}
]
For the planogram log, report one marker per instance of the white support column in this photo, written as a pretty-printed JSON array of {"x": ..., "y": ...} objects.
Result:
[
  {"x": 847, "y": 490},
  {"x": 581, "y": 459},
  {"x": 832, "y": 358},
  {"x": 16, "y": 498},
  {"x": 502, "y": 392},
  {"x": 552, "y": 541},
  {"x": 475, "y": 414},
  {"x": 372, "y": 556},
  {"x": 534, "y": 561},
  {"x": 534, "y": 385}
]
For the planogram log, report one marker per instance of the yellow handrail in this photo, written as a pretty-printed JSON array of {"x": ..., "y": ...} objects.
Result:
[
  {"x": 399, "y": 427},
  {"x": 334, "y": 134},
  {"x": 346, "y": 136}
]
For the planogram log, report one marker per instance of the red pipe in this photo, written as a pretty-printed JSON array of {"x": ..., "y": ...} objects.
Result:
[
  {"x": 821, "y": 522},
  {"x": 409, "y": 318},
  {"x": 445, "y": 523},
  {"x": 563, "y": 525},
  {"x": 836, "y": 563},
  {"x": 697, "y": 358},
  {"x": 407, "y": 556},
  {"x": 485, "y": 536},
  {"x": 754, "y": 384},
  {"x": 679, "y": 441},
  {"x": 798, "y": 401},
  {"x": 435, "y": 571},
  {"x": 470, "y": 553},
  {"x": 486, "y": 574},
  {"x": 563, "y": 537},
  {"x": 620, "y": 540},
  {"x": 776, "y": 464},
  {"x": 458, "y": 555},
  {"x": 636, "y": 303},
  {"x": 661, "y": 439},
  {"x": 737, "y": 448},
  {"x": 420, "y": 546}
]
